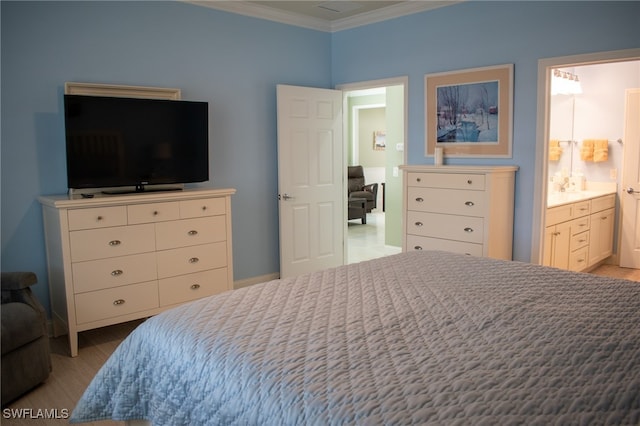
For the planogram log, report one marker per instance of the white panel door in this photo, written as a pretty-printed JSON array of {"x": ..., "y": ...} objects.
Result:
[
  {"x": 310, "y": 172},
  {"x": 630, "y": 224}
]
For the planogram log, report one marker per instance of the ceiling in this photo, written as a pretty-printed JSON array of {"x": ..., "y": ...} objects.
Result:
[{"x": 325, "y": 15}]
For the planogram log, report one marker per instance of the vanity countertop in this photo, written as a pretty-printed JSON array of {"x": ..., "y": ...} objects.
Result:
[{"x": 559, "y": 198}]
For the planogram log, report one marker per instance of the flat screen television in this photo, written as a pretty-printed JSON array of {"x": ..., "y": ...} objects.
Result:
[{"x": 116, "y": 142}]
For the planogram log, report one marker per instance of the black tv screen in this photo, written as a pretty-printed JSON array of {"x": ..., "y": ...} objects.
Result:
[{"x": 116, "y": 142}]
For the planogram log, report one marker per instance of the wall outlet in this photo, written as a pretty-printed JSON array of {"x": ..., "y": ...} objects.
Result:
[{"x": 613, "y": 174}]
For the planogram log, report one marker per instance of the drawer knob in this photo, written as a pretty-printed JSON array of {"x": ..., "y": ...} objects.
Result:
[
  {"x": 114, "y": 243},
  {"x": 155, "y": 213},
  {"x": 204, "y": 208},
  {"x": 418, "y": 180},
  {"x": 117, "y": 273},
  {"x": 417, "y": 248},
  {"x": 193, "y": 232},
  {"x": 469, "y": 181},
  {"x": 419, "y": 199},
  {"x": 118, "y": 302},
  {"x": 195, "y": 286},
  {"x": 468, "y": 229},
  {"x": 194, "y": 260},
  {"x": 469, "y": 203},
  {"x": 99, "y": 218},
  {"x": 419, "y": 223}
]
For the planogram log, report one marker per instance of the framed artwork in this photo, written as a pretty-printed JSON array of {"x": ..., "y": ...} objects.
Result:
[
  {"x": 379, "y": 140},
  {"x": 468, "y": 112}
]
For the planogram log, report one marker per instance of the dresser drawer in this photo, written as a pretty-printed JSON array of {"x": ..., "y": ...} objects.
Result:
[
  {"x": 114, "y": 302},
  {"x": 111, "y": 242},
  {"x": 190, "y": 232},
  {"x": 192, "y": 286},
  {"x": 202, "y": 207},
  {"x": 447, "y": 180},
  {"x": 415, "y": 242},
  {"x": 457, "y": 228},
  {"x": 191, "y": 259},
  {"x": 153, "y": 212},
  {"x": 579, "y": 241},
  {"x": 99, "y": 217},
  {"x": 113, "y": 272},
  {"x": 603, "y": 203},
  {"x": 558, "y": 214},
  {"x": 462, "y": 202}
]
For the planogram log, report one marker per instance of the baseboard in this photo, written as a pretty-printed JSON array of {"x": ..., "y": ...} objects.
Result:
[{"x": 255, "y": 280}]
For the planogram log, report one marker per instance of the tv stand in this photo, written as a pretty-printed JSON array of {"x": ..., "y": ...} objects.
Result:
[{"x": 116, "y": 259}]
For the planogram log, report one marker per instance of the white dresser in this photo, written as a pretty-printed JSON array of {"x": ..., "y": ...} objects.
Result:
[
  {"x": 113, "y": 258},
  {"x": 463, "y": 209}
]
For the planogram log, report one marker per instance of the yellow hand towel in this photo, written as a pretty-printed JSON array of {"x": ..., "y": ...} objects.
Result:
[
  {"x": 600, "y": 150},
  {"x": 586, "y": 151},
  {"x": 554, "y": 150}
]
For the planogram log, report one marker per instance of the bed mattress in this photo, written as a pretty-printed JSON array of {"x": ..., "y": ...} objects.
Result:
[{"x": 415, "y": 338}]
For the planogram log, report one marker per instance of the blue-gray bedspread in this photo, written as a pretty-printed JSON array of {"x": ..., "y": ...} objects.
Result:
[{"x": 415, "y": 338}]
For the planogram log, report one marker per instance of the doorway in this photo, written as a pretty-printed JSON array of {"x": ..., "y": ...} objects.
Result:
[
  {"x": 599, "y": 70},
  {"x": 374, "y": 135}
]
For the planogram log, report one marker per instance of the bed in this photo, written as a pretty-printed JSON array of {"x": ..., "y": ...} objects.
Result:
[{"x": 416, "y": 338}]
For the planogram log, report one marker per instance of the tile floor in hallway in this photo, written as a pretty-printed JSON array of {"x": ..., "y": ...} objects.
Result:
[{"x": 367, "y": 241}]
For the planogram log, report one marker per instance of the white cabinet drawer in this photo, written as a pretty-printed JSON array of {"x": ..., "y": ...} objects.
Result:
[
  {"x": 457, "y": 228},
  {"x": 578, "y": 241},
  {"x": 113, "y": 272},
  {"x": 114, "y": 302},
  {"x": 603, "y": 203},
  {"x": 192, "y": 286},
  {"x": 153, "y": 212},
  {"x": 582, "y": 208},
  {"x": 447, "y": 180},
  {"x": 191, "y": 259},
  {"x": 202, "y": 207},
  {"x": 111, "y": 242},
  {"x": 558, "y": 214},
  {"x": 581, "y": 224},
  {"x": 468, "y": 203},
  {"x": 98, "y": 217},
  {"x": 190, "y": 232},
  {"x": 578, "y": 260},
  {"x": 415, "y": 242}
]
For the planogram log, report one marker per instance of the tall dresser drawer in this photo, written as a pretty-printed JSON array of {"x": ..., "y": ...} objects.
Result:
[
  {"x": 415, "y": 242},
  {"x": 97, "y": 217},
  {"x": 153, "y": 212},
  {"x": 204, "y": 207},
  {"x": 191, "y": 259},
  {"x": 447, "y": 180},
  {"x": 184, "y": 288},
  {"x": 469, "y": 203},
  {"x": 190, "y": 232},
  {"x": 458, "y": 228},
  {"x": 113, "y": 272},
  {"x": 111, "y": 242},
  {"x": 114, "y": 302}
]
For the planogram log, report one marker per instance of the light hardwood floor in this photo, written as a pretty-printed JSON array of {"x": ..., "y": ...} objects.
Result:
[{"x": 70, "y": 376}]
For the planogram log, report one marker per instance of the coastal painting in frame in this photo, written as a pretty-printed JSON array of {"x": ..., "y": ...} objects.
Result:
[{"x": 468, "y": 112}]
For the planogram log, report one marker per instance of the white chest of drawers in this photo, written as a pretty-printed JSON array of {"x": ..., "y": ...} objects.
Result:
[
  {"x": 113, "y": 259},
  {"x": 464, "y": 209}
]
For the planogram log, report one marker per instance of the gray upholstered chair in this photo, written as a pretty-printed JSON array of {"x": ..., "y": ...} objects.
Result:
[
  {"x": 358, "y": 190},
  {"x": 26, "y": 357}
]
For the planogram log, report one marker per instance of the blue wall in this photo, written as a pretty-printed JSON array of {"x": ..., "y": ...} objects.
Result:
[
  {"x": 478, "y": 34},
  {"x": 231, "y": 61},
  {"x": 235, "y": 62}
]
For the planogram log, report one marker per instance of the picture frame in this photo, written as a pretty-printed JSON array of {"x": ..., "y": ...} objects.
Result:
[
  {"x": 379, "y": 140},
  {"x": 469, "y": 113}
]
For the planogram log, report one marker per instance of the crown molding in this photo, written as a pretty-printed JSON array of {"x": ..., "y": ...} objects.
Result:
[{"x": 265, "y": 12}]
